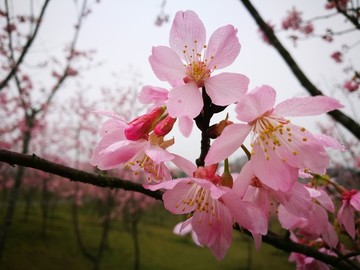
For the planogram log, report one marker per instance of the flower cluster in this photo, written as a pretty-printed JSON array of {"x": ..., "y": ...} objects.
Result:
[{"x": 214, "y": 199}]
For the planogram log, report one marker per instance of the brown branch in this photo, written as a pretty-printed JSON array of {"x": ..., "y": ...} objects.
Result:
[
  {"x": 353, "y": 19},
  {"x": 33, "y": 161},
  {"x": 337, "y": 115},
  {"x": 26, "y": 48},
  {"x": 289, "y": 246}
]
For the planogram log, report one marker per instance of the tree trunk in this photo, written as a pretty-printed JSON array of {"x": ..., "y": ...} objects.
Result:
[
  {"x": 135, "y": 237},
  {"x": 14, "y": 193},
  {"x": 44, "y": 207}
]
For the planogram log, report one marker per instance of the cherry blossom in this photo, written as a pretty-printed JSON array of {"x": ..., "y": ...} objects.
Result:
[
  {"x": 141, "y": 152},
  {"x": 188, "y": 65},
  {"x": 212, "y": 208},
  {"x": 279, "y": 148},
  {"x": 350, "y": 204},
  {"x": 316, "y": 225}
]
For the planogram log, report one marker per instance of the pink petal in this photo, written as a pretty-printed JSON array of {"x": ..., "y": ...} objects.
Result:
[
  {"x": 109, "y": 114},
  {"x": 226, "y": 88},
  {"x": 258, "y": 240},
  {"x": 325, "y": 200},
  {"x": 173, "y": 198},
  {"x": 185, "y": 165},
  {"x": 215, "y": 191},
  {"x": 309, "y": 151},
  {"x": 317, "y": 221},
  {"x": 115, "y": 154},
  {"x": 214, "y": 232},
  {"x": 182, "y": 229},
  {"x": 273, "y": 172},
  {"x": 185, "y": 100},
  {"x": 346, "y": 218},
  {"x": 243, "y": 180},
  {"x": 157, "y": 154},
  {"x": 223, "y": 47},
  {"x": 246, "y": 214},
  {"x": 185, "y": 125},
  {"x": 166, "y": 64},
  {"x": 227, "y": 143},
  {"x": 114, "y": 125},
  {"x": 297, "y": 201},
  {"x": 328, "y": 141},
  {"x": 305, "y": 106},
  {"x": 187, "y": 30},
  {"x": 169, "y": 184},
  {"x": 330, "y": 236},
  {"x": 109, "y": 139},
  {"x": 222, "y": 244},
  {"x": 287, "y": 220},
  {"x": 355, "y": 201},
  {"x": 152, "y": 94},
  {"x": 255, "y": 103}
]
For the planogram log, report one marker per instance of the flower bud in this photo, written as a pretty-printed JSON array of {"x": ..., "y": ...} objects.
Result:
[
  {"x": 215, "y": 130},
  {"x": 142, "y": 125},
  {"x": 164, "y": 126},
  {"x": 226, "y": 177}
]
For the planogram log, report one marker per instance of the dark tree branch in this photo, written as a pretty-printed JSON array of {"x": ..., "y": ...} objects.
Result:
[
  {"x": 353, "y": 19},
  {"x": 26, "y": 48},
  {"x": 33, "y": 161},
  {"x": 287, "y": 245},
  {"x": 337, "y": 115}
]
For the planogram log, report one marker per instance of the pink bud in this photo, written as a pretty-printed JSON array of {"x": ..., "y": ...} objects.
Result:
[
  {"x": 142, "y": 125},
  {"x": 164, "y": 126}
]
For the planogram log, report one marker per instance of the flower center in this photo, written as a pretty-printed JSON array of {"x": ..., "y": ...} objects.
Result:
[
  {"x": 197, "y": 72},
  {"x": 273, "y": 132},
  {"x": 196, "y": 66},
  {"x": 200, "y": 197}
]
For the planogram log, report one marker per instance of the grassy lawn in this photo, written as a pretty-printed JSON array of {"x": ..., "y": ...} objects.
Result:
[{"x": 159, "y": 247}]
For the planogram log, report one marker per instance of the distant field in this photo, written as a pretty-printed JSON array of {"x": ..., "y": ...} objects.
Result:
[{"x": 159, "y": 247}]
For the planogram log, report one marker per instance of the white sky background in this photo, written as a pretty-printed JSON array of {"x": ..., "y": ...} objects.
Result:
[{"x": 123, "y": 33}]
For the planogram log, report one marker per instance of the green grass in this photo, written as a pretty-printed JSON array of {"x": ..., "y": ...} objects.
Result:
[{"x": 159, "y": 247}]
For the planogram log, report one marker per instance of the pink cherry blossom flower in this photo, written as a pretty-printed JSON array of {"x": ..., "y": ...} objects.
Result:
[
  {"x": 351, "y": 85},
  {"x": 140, "y": 127},
  {"x": 279, "y": 148},
  {"x": 317, "y": 224},
  {"x": 293, "y": 20},
  {"x": 144, "y": 154},
  {"x": 212, "y": 208},
  {"x": 153, "y": 95},
  {"x": 188, "y": 65},
  {"x": 297, "y": 200},
  {"x": 350, "y": 204},
  {"x": 337, "y": 57},
  {"x": 307, "y": 29}
]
